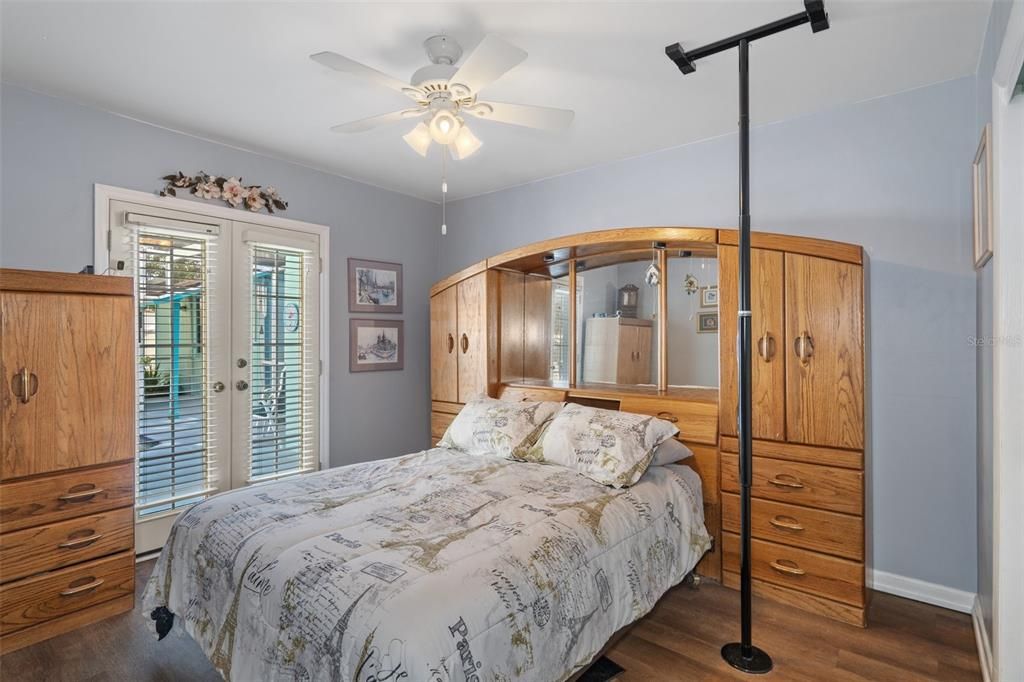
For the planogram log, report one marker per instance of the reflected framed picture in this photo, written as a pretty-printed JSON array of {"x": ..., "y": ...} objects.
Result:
[
  {"x": 374, "y": 286},
  {"x": 375, "y": 345},
  {"x": 707, "y": 323},
  {"x": 982, "y": 179},
  {"x": 709, "y": 297}
]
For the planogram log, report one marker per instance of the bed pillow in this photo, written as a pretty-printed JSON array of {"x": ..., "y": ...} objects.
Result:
[
  {"x": 486, "y": 426},
  {"x": 610, "y": 447},
  {"x": 670, "y": 452}
]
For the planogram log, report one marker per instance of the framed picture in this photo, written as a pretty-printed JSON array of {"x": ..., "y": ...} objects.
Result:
[
  {"x": 375, "y": 345},
  {"x": 374, "y": 286},
  {"x": 707, "y": 323},
  {"x": 982, "y": 178},
  {"x": 709, "y": 297}
]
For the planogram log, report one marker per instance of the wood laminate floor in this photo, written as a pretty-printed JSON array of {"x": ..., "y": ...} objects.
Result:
[{"x": 679, "y": 640}]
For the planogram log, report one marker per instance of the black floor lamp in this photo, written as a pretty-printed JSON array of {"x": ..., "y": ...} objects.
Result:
[{"x": 743, "y": 655}]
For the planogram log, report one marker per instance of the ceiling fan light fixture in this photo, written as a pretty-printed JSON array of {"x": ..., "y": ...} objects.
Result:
[
  {"x": 419, "y": 139},
  {"x": 444, "y": 127},
  {"x": 465, "y": 144}
]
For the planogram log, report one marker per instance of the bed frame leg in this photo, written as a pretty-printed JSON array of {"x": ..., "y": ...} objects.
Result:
[{"x": 692, "y": 580}]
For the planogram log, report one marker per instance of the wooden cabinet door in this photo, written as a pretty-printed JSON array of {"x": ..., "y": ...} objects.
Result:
[
  {"x": 768, "y": 389},
  {"x": 824, "y": 352},
  {"x": 642, "y": 371},
  {"x": 444, "y": 347},
  {"x": 77, "y": 354},
  {"x": 625, "y": 346},
  {"x": 478, "y": 355}
]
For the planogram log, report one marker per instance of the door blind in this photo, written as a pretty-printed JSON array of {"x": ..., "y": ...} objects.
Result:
[
  {"x": 285, "y": 369},
  {"x": 174, "y": 283}
]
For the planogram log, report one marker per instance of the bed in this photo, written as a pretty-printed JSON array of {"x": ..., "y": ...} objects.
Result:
[{"x": 433, "y": 566}]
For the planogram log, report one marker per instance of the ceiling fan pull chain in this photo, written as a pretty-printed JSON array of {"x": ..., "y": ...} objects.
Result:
[{"x": 444, "y": 189}]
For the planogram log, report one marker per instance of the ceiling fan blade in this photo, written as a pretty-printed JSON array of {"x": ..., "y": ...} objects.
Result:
[
  {"x": 527, "y": 115},
  {"x": 335, "y": 61},
  {"x": 364, "y": 124},
  {"x": 491, "y": 59}
]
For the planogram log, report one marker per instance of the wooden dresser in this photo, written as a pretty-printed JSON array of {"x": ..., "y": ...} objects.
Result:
[
  {"x": 67, "y": 444},
  {"x": 807, "y": 508}
]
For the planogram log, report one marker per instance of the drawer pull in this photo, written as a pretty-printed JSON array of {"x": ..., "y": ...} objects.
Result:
[
  {"x": 787, "y": 522},
  {"x": 82, "y": 495},
  {"x": 80, "y": 542},
  {"x": 668, "y": 416},
  {"x": 781, "y": 482},
  {"x": 88, "y": 587},
  {"x": 786, "y": 568}
]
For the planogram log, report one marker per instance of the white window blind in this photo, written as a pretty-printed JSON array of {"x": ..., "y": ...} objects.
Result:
[
  {"x": 174, "y": 284},
  {"x": 284, "y": 386}
]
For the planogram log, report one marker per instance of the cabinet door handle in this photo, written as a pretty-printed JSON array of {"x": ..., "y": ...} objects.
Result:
[
  {"x": 781, "y": 567},
  {"x": 88, "y": 587},
  {"x": 465, "y": 343},
  {"x": 804, "y": 347},
  {"x": 668, "y": 416},
  {"x": 787, "y": 522},
  {"x": 24, "y": 385},
  {"x": 787, "y": 482},
  {"x": 451, "y": 343},
  {"x": 82, "y": 495},
  {"x": 766, "y": 347},
  {"x": 80, "y": 542}
]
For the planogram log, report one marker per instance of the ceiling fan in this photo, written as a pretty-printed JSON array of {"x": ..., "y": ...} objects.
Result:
[{"x": 444, "y": 94}]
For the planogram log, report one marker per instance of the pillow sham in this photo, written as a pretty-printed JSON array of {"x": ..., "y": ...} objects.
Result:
[
  {"x": 670, "y": 452},
  {"x": 610, "y": 447},
  {"x": 488, "y": 426}
]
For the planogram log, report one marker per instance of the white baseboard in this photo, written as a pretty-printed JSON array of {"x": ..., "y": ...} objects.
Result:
[
  {"x": 920, "y": 590},
  {"x": 981, "y": 637}
]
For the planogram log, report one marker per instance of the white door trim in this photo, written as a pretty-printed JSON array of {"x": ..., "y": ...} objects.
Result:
[
  {"x": 1008, "y": 354},
  {"x": 104, "y": 194}
]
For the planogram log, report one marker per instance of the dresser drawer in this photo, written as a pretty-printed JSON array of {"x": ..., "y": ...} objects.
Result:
[
  {"x": 37, "y": 501},
  {"x": 798, "y": 569},
  {"x": 43, "y": 597},
  {"x": 789, "y": 524},
  {"x": 697, "y": 421},
  {"x": 56, "y": 545},
  {"x": 810, "y": 485},
  {"x": 812, "y": 454},
  {"x": 439, "y": 423}
]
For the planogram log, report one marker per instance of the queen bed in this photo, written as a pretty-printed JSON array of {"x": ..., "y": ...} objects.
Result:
[{"x": 439, "y": 565}]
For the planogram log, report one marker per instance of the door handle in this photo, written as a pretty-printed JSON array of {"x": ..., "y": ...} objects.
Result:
[
  {"x": 465, "y": 343},
  {"x": 451, "y": 342},
  {"x": 241, "y": 384},
  {"x": 24, "y": 385},
  {"x": 218, "y": 386},
  {"x": 804, "y": 347},
  {"x": 766, "y": 347}
]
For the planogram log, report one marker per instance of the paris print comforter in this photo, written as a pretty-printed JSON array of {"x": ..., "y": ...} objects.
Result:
[{"x": 435, "y": 566}]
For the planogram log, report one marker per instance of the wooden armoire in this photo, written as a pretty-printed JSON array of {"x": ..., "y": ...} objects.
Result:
[
  {"x": 490, "y": 333},
  {"x": 67, "y": 448}
]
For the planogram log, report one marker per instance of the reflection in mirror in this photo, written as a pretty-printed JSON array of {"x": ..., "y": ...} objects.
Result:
[
  {"x": 559, "y": 374},
  {"x": 616, "y": 330},
  {"x": 692, "y": 320}
]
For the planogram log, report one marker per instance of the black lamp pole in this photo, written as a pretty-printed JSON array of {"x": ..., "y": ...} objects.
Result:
[{"x": 743, "y": 655}]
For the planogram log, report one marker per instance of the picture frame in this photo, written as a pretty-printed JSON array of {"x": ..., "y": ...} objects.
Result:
[
  {"x": 375, "y": 345},
  {"x": 707, "y": 323},
  {"x": 981, "y": 178},
  {"x": 374, "y": 286},
  {"x": 709, "y": 297}
]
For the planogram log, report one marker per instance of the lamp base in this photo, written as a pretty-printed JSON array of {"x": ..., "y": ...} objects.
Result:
[{"x": 758, "y": 663}]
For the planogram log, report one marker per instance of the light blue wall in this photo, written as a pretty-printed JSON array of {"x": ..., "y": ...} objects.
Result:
[
  {"x": 997, "y": 22},
  {"x": 52, "y": 153},
  {"x": 891, "y": 174}
]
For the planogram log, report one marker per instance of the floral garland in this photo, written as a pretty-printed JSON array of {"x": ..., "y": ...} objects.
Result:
[{"x": 230, "y": 190}]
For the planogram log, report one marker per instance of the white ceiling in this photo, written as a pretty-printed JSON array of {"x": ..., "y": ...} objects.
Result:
[{"x": 239, "y": 73}]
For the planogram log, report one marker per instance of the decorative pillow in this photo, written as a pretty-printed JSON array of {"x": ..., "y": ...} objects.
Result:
[
  {"x": 486, "y": 426},
  {"x": 670, "y": 452},
  {"x": 610, "y": 447}
]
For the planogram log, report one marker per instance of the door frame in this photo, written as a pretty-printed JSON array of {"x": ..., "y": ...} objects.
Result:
[
  {"x": 104, "y": 194},
  {"x": 1008, "y": 352}
]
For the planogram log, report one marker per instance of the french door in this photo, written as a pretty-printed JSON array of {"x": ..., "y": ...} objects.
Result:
[{"x": 228, "y": 356}]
